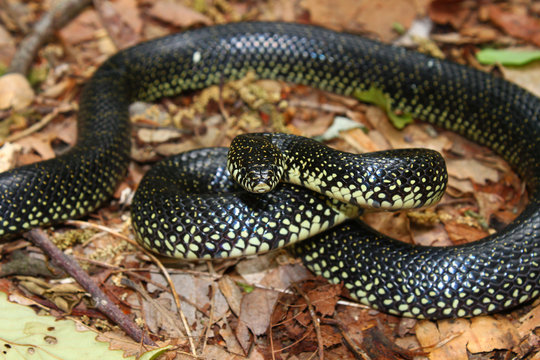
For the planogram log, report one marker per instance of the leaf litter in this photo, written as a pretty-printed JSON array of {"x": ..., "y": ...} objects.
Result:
[{"x": 250, "y": 306}]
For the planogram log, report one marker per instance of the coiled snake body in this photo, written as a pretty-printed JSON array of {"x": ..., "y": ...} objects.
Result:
[{"x": 498, "y": 272}]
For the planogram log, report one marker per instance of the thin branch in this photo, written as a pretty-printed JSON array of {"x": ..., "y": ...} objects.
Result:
[
  {"x": 55, "y": 19},
  {"x": 103, "y": 303},
  {"x": 161, "y": 267}
]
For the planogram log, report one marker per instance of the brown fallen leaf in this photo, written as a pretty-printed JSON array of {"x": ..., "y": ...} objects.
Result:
[
  {"x": 489, "y": 333},
  {"x": 443, "y": 340},
  {"x": 7, "y": 47},
  {"x": 232, "y": 293},
  {"x": 130, "y": 14},
  {"x": 529, "y": 322},
  {"x": 375, "y": 16},
  {"x": 516, "y": 21},
  {"x": 463, "y": 233},
  {"x": 471, "y": 169},
  {"x": 15, "y": 92},
  {"x": 325, "y": 298},
  {"x": 459, "y": 187},
  {"x": 488, "y": 203},
  {"x": 38, "y": 143},
  {"x": 453, "y": 12},
  {"x": 450, "y": 339},
  {"x": 228, "y": 335},
  {"x": 393, "y": 224},
  {"x": 81, "y": 29},
  {"x": 431, "y": 236},
  {"x": 116, "y": 19},
  {"x": 177, "y": 14},
  {"x": 257, "y": 306}
]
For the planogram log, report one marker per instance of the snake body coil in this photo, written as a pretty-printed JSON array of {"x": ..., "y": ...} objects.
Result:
[{"x": 498, "y": 272}]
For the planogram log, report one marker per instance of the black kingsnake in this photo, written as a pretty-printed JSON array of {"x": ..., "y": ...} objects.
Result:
[{"x": 498, "y": 272}]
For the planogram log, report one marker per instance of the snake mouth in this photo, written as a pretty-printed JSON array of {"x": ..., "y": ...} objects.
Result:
[{"x": 262, "y": 188}]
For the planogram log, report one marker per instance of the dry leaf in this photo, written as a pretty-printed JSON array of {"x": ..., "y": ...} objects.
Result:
[
  {"x": 15, "y": 92},
  {"x": 488, "y": 333},
  {"x": 227, "y": 333},
  {"x": 8, "y": 156},
  {"x": 116, "y": 19},
  {"x": 177, "y": 14},
  {"x": 431, "y": 236},
  {"x": 459, "y": 187},
  {"x": 376, "y": 16},
  {"x": 83, "y": 28},
  {"x": 516, "y": 21},
  {"x": 393, "y": 224},
  {"x": 488, "y": 203},
  {"x": 257, "y": 306},
  {"x": 7, "y": 46},
  {"x": 471, "y": 169},
  {"x": 232, "y": 293},
  {"x": 444, "y": 342},
  {"x": 529, "y": 322},
  {"x": 158, "y": 135},
  {"x": 129, "y": 13},
  {"x": 38, "y": 143},
  {"x": 449, "y": 12}
]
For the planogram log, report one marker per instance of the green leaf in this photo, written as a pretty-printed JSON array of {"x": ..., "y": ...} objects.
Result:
[
  {"x": 245, "y": 287},
  {"x": 377, "y": 97},
  {"x": 399, "y": 28},
  {"x": 25, "y": 335},
  {"x": 154, "y": 354},
  {"x": 507, "y": 57}
]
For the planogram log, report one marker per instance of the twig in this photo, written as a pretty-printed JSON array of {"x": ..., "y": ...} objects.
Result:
[
  {"x": 103, "y": 303},
  {"x": 161, "y": 267},
  {"x": 55, "y": 19},
  {"x": 35, "y": 127}
]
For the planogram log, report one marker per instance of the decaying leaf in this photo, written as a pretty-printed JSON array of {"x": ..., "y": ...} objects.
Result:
[
  {"x": 15, "y": 92},
  {"x": 177, "y": 14}
]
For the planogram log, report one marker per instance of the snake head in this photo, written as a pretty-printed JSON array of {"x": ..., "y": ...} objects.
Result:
[{"x": 255, "y": 163}]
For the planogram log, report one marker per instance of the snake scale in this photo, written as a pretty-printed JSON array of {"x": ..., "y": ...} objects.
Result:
[{"x": 493, "y": 274}]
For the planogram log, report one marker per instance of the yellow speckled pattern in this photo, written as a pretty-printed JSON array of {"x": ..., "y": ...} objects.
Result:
[{"x": 496, "y": 273}]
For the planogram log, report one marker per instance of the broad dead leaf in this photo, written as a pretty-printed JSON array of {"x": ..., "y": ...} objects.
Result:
[
  {"x": 15, "y": 92},
  {"x": 118, "y": 19},
  {"x": 516, "y": 21},
  {"x": 232, "y": 293},
  {"x": 82, "y": 28},
  {"x": 177, "y": 14},
  {"x": 471, "y": 169},
  {"x": 445, "y": 341},
  {"x": 488, "y": 203},
  {"x": 393, "y": 224},
  {"x": 375, "y": 16},
  {"x": 529, "y": 322},
  {"x": 257, "y": 306},
  {"x": 8, "y": 156},
  {"x": 7, "y": 47},
  {"x": 489, "y": 333},
  {"x": 449, "y": 12}
]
